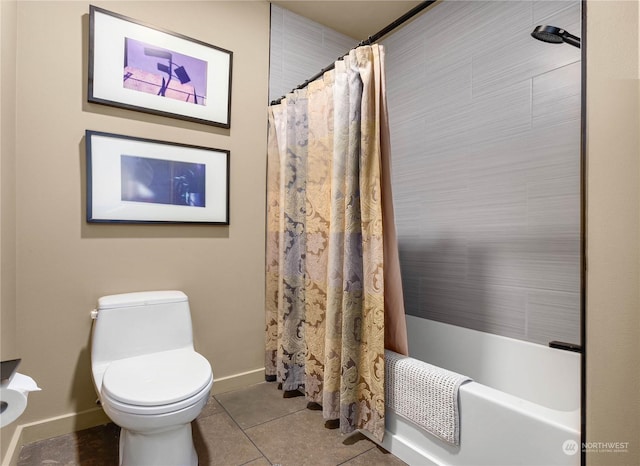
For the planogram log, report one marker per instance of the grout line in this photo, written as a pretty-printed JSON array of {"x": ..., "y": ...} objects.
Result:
[
  {"x": 276, "y": 418},
  {"x": 244, "y": 433},
  {"x": 373, "y": 445},
  {"x": 255, "y": 459},
  {"x": 260, "y": 423}
]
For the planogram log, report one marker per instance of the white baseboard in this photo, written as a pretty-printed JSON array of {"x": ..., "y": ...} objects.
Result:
[
  {"x": 68, "y": 423},
  {"x": 236, "y": 381}
]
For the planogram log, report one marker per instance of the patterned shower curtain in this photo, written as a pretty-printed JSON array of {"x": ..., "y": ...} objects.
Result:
[{"x": 333, "y": 291}]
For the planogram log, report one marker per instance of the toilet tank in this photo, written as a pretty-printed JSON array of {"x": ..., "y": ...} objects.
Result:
[{"x": 134, "y": 324}]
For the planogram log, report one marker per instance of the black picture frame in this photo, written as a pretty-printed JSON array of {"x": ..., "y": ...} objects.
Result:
[
  {"x": 136, "y": 66},
  {"x": 138, "y": 180}
]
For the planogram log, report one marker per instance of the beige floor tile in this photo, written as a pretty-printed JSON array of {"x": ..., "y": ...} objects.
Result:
[
  {"x": 301, "y": 439},
  {"x": 220, "y": 442},
  {"x": 259, "y": 462},
  {"x": 375, "y": 457},
  {"x": 212, "y": 407},
  {"x": 97, "y": 446},
  {"x": 284, "y": 432},
  {"x": 259, "y": 403}
]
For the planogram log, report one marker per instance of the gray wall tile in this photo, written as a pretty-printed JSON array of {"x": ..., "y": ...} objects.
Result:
[
  {"x": 555, "y": 97},
  {"x": 485, "y": 133},
  {"x": 514, "y": 56},
  {"x": 300, "y": 48},
  {"x": 552, "y": 315}
]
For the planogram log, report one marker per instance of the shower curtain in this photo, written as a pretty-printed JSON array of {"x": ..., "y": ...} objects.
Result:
[{"x": 333, "y": 292}]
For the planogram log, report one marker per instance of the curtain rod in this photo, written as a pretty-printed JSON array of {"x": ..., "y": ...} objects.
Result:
[{"x": 368, "y": 41}]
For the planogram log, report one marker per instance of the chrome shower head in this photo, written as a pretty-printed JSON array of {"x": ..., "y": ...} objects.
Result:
[{"x": 555, "y": 35}]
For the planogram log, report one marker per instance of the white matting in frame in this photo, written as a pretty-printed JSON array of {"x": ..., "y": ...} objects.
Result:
[
  {"x": 139, "y": 67},
  {"x": 135, "y": 180}
]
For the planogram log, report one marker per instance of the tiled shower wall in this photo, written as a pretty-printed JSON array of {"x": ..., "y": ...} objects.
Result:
[
  {"x": 485, "y": 133},
  {"x": 300, "y": 48}
]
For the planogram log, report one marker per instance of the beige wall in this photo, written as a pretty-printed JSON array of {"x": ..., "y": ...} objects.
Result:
[
  {"x": 64, "y": 264},
  {"x": 613, "y": 233},
  {"x": 7, "y": 178},
  {"x": 7, "y": 193}
]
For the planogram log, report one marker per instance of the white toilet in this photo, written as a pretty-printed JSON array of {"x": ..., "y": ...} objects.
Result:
[{"x": 150, "y": 380}]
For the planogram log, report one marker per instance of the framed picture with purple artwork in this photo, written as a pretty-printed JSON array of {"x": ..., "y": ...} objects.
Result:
[
  {"x": 139, "y": 67},
  {"x": 135, "y": 180}
]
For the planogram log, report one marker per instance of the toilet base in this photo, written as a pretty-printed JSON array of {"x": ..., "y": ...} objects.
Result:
[{"x": 171, "y": 447}]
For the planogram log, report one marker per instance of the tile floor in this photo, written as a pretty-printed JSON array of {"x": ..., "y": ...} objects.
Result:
[{"x": 252, "y": 426}]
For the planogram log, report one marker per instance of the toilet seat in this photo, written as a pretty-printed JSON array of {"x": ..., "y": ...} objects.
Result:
[{"x": 156, "y": 383}]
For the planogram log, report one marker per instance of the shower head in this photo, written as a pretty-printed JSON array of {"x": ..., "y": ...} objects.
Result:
[{"x": 555, "y": 35}]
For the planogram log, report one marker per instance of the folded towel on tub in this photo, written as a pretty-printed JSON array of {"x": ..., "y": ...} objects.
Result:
[{"x": 424, "y": 394}]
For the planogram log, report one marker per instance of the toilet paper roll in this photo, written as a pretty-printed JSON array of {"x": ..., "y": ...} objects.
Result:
[{"x": 13, "y": 397}]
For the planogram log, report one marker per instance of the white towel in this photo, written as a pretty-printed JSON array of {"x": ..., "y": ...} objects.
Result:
[{"x": 424, "y": 394}]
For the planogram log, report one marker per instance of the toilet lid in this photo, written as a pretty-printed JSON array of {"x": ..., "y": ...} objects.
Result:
[{"x": 158, "y": 378}]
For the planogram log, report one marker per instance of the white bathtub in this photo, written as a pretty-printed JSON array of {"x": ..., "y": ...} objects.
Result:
[{"x": 523, "y": 407}]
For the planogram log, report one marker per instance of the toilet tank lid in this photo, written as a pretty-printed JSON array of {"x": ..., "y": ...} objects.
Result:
[{"x": 142, "y": 298}]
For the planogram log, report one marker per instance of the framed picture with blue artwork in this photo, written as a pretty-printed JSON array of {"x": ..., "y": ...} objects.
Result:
[
  {"x": 136, "y": 180},
  {"x": 139, "y": 67}
]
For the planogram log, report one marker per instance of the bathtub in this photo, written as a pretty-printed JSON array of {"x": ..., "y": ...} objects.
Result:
[{"x": 522, "y": 408}]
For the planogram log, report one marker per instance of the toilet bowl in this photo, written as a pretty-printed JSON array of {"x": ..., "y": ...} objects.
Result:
[{"x": 150, "y": 380}]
